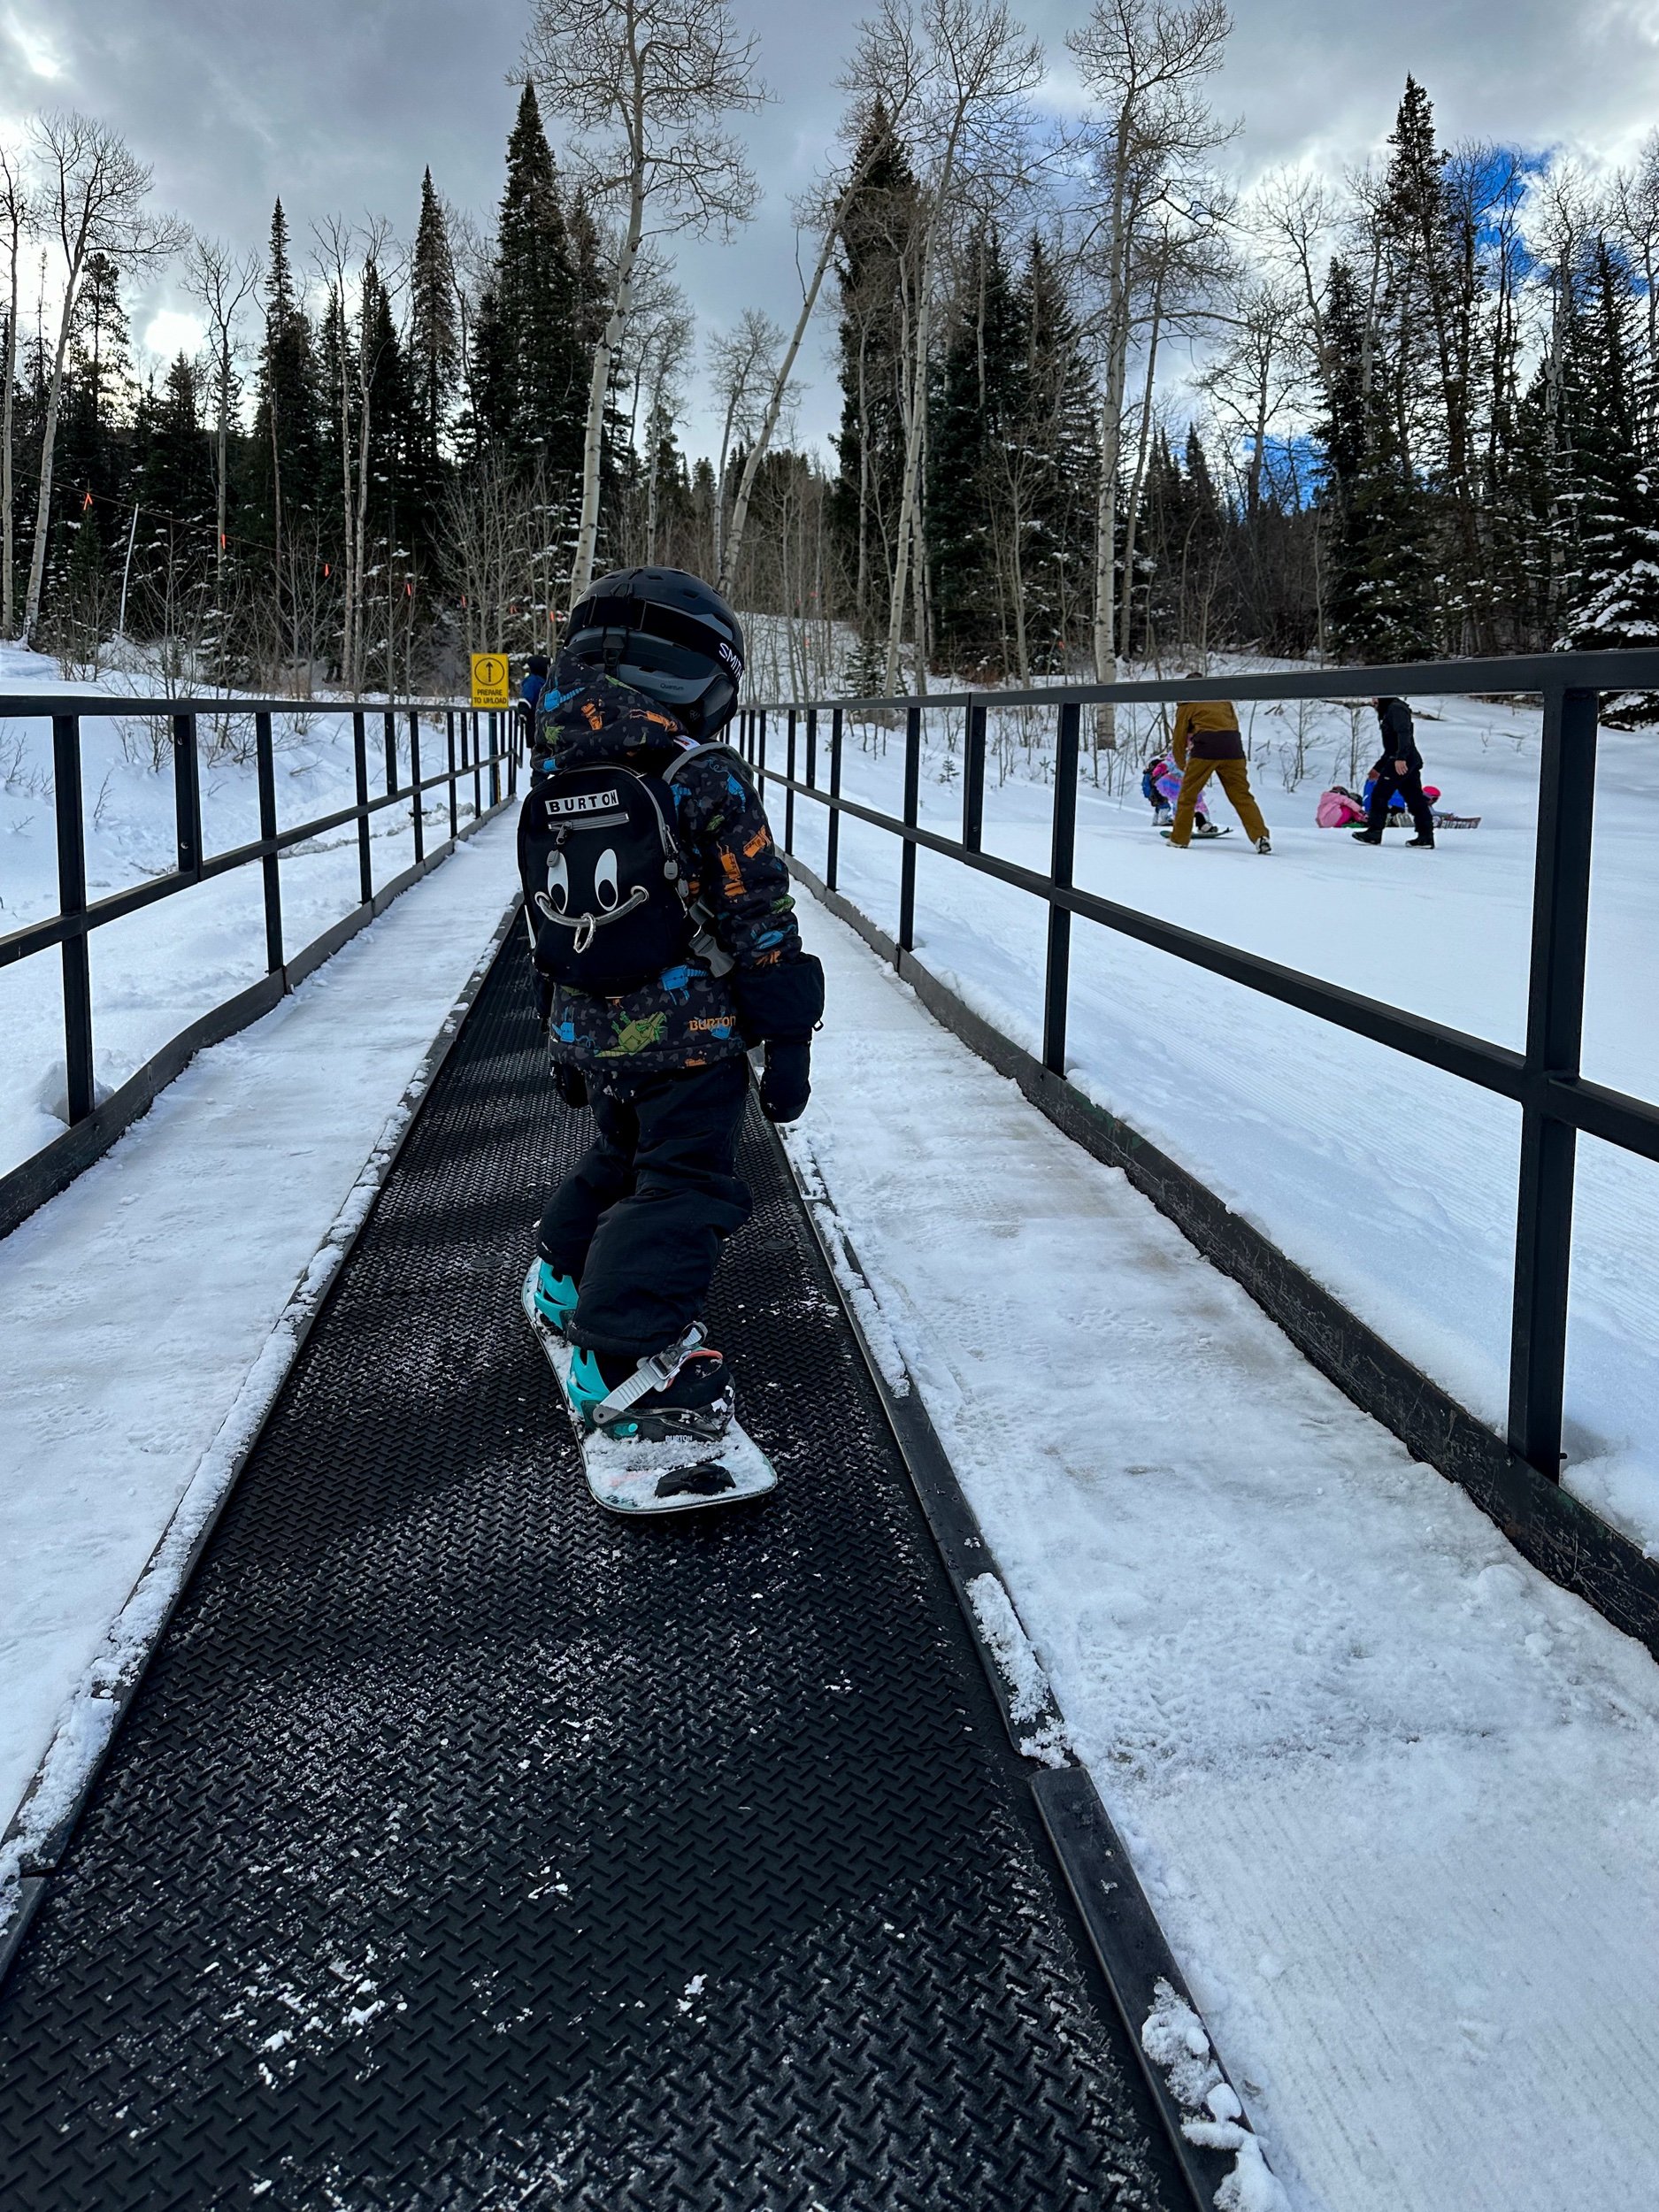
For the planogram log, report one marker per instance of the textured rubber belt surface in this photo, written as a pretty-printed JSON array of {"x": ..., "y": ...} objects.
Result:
[{"x": 465, "y": 1848}]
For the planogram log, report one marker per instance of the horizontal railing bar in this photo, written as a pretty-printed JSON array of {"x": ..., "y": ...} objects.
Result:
[
  {"x": 18, "y": 705},
  {"x": 1617, "y": 1118},
  {"x": 41, "y": 936},
  {"x": 1632, "y": 671}
]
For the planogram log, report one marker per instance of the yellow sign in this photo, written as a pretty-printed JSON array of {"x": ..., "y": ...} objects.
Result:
[{"x": 492, "y": 680}]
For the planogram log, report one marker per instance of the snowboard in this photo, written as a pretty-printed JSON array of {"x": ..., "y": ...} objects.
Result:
[
  {"x": 1224, "y": 830},
  {"x": 626, "y": 1474}
]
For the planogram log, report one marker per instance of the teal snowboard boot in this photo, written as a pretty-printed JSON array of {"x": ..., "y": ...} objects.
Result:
[{"x": 555, "y": 1297}]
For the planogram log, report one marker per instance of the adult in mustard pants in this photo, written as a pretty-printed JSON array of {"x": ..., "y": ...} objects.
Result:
[{"x": 1207, "y": 744}]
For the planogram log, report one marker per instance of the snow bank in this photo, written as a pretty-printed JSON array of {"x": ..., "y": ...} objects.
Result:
[
  {"x": 1390, "y": 1792},
  {"x": 148, "y": 1314}
]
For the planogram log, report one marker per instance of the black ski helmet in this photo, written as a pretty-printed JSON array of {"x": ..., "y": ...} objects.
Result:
[{"x": 668, "y": 634}]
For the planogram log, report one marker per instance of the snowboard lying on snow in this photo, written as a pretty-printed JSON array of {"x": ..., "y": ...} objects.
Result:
[{"x": 627, "y": 1474}]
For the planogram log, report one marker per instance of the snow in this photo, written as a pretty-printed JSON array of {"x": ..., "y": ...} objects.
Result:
[
  {"x": 155, "y": 971},
  {"x": 1021, "y": 1670},
  {"x": 1394, "y": 1185},
  {"x": 1391, "y": 1793},
  {"x": 149, "y": 1313}
]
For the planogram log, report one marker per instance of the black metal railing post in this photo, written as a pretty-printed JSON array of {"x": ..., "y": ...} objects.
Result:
[
  {"x": 760, "y": 754},
  {"x": 973, "y": 777},
  {"x": 478, "y": 788},
  {"x": 72, "y": 900},
  {"x": 449, "y": 745},
  {"x": 1554, "y": 1031},
  {"x": 360, "y": 768},
  {"x": 390, "y": 722},
  {"x": 417, "y": 797},
  {"x": 187, "y": 795},
  {"x": 912, "y": 801},
  {"x": 1057, "y": 973},
  {"x": 832, "y": 855},
  {"x": 811, "y": 748},
  {"x": 788, "y": 789},
  {"x": 269, "y": 863},
  {"x": 494, "y": 759}
]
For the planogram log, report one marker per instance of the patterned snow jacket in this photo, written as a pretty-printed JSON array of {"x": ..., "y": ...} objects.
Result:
[{"x": 688, "y": 1017}]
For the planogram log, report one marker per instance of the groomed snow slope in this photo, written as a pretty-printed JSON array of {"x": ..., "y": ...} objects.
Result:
[
  {"x": 1394, "y": 1185},
  {"x": 135, "y": 1306},
  {"x": 1392, "y": 1792}
]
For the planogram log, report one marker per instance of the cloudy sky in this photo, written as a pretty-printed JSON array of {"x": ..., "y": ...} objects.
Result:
[{"x": 337, "y": 105}]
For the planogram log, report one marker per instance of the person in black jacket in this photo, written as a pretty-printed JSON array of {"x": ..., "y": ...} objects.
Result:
[
  {"x": 1400, "y": 769},
  {"x": 628, "y": 1244}
]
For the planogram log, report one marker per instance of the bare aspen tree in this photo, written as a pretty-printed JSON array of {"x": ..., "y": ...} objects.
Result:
[
  {"x": 16, "y": 222},
  {"x": 645, "y": 86},
  {"x": 825, "y": 211},
  {"x": 740, "y": 364},
  {"x": 92, "y": 196},
  {"x": 963, "y": 69},
  {"x": 223, "y": 283},
  {"x": 340, "y": 245},
  {"x": 1143, "y": 65},
  {"x": 660, "y": 379}
]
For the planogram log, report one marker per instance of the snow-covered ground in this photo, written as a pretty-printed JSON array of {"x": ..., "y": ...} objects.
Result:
[
  {"x": 155, "y": 971},
  {"x": 141, "y": 1312},
  {"x": 1392, "y": 1184},
  {"x": 1392, "y": 1792}
]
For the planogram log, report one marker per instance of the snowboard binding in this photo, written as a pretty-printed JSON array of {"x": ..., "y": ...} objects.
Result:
[{"x": 682, "y": 1391}]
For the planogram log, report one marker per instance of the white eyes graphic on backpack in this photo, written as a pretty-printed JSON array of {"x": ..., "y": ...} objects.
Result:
[{"x": 612, "y": 914}]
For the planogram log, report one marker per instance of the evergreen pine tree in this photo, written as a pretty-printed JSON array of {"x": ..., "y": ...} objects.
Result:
[
  {"x": 433, "y": 356},
  {"x": 1614, "y": 587},
  {"x": 973, "y": 510},
  {"x": 541, "y": 388},
  {"x": 291, "y": 409}
]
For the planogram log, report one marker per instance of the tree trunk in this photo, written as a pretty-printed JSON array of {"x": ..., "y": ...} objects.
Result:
[
  {"x": 910, "y": 499},
  {"x": 8, "y": 589},
  {"x": 1132, "y": 519},
  {"x": 598, "y": 386},
  {"x": 49, "y": 441}
]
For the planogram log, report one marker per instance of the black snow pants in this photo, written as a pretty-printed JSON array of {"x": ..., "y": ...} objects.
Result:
[
  {"x": 1410, "y": 790},
  {"x": 639, "y": 1223}
]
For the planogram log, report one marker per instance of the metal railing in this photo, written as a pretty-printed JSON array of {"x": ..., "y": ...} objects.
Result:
[
  {"x": 487, "y": 756},
  {"x": 1544, "y": 1080}
]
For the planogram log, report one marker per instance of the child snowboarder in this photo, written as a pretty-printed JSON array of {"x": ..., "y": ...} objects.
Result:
[
  {"x": 664, "y": 946},
  {"x": 1400, "y": 771},
  {"x": 1207, "y": 744}
]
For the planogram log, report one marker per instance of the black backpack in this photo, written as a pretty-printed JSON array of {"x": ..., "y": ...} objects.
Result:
[{"x": 605, "y": 879}]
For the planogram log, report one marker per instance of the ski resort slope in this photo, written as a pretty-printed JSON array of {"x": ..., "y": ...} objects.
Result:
[
  {"x": 1394, "y": 1795},
  {"x": 140, "y": 1308},
  {"x": 1391, "y": 1184}
]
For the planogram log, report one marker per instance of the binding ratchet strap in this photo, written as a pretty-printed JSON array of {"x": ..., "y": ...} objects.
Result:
[{"x": 655, "y": 1372}]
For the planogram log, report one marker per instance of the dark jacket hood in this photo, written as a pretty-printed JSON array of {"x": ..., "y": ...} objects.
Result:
[{"x": 585, "y": 715}]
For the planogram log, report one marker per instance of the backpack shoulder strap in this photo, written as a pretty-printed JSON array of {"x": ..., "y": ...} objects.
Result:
[{"x": 717, "y": 749}]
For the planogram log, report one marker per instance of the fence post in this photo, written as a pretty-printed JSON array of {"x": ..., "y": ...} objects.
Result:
[
  {"x": 267, "y": 833},
  {"x": 788, "y": 796},
  {"x": 831, "y": 856},
  {"x": 974, "y": 779},
  {"x": 448, "y": 742},
  {"x": 478, "y": 788},
  {"x": 912, "y": 797},
  {"x": 811, "y": 748},
  {"x": 760, "y": 757},
  {"x": 1554, "y": 1030},
  {"x": 71, "y": 900},
  {"x": 391, "y": 724},
  {"x": 187, "y": 795},
  {"x": 1058, "y": 977},
  {"x": 494, "y": 760},
  {"x": 360, "y": 766},
  {"x": 417, "y": 801}
]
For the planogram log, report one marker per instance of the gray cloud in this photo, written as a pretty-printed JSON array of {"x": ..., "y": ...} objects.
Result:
[{"x": 338, "y": 104}]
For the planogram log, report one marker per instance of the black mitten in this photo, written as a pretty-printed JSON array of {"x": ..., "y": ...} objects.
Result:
[
  {"x": 570, "y": 1083},
  {"x": 786, "y": 1085}
]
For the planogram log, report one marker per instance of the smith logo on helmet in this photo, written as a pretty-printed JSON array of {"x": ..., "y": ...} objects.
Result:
[
  {"x": 583, "y": 802},
  {"x": 733, "y": 661}
]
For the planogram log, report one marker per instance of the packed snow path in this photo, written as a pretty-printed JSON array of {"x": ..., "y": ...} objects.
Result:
[
  {"x": 466, "y": 1847},
  {"x": 1391, "y": 1794}
]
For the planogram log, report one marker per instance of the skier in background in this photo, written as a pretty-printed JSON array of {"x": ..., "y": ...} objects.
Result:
[
  {"x": 1400, "y": 769},
  {"x": 1207, "y": 744},
  {"x": 659, "y": 890}
]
